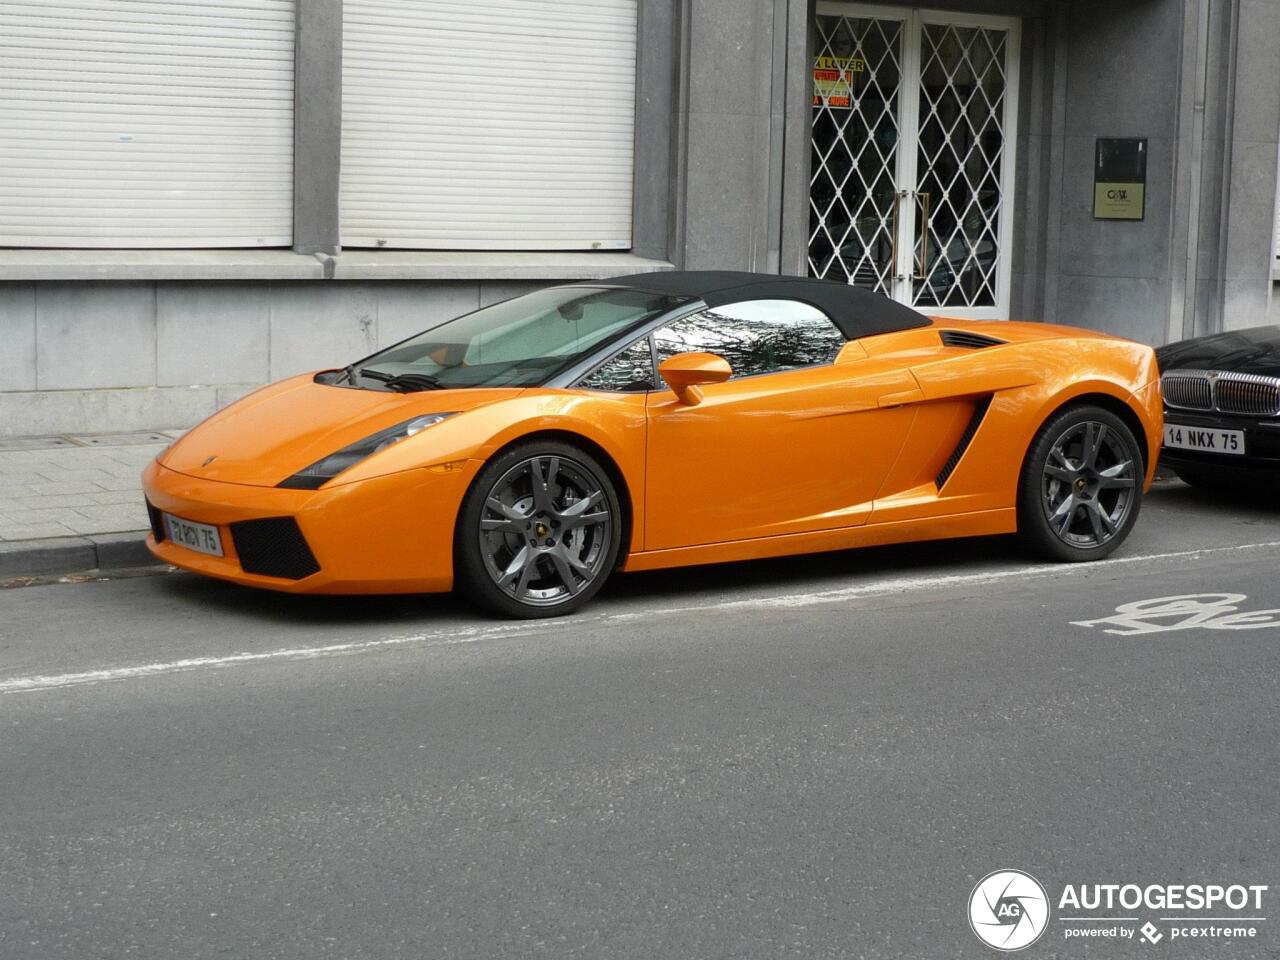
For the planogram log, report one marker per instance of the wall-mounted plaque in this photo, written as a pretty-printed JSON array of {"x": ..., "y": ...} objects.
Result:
[{"x": 1120, "y": 179}]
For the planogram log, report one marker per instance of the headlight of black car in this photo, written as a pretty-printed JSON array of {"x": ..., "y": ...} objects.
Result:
[{"x": 312, "y": 477}]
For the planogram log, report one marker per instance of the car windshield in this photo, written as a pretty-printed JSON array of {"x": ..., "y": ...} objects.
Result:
[{"x": 517, "y": 343}]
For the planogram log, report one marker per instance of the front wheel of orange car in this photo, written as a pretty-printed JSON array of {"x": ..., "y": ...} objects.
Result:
[
  {"x": 1081, "y": 486},
  {"x": 538, "y": 533}
]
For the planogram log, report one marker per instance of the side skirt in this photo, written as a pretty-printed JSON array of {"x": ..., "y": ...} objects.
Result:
[{"x": 980, "y": 524}]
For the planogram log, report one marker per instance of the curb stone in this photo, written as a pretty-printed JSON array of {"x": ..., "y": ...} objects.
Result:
[{"x": 64, "y": 555}]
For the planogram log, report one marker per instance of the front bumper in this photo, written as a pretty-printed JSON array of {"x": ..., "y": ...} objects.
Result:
[
  {"x": 1261, "y": 442},
  {"x": 391, "y": 534}
]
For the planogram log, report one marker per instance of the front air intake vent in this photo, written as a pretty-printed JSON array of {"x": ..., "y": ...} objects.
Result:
[
  {"x": 273, "y": 547},
  {"x": 157, "y": 522},
  {"x": 966, "y": 438},
  {"x": 967, "y": 340}
]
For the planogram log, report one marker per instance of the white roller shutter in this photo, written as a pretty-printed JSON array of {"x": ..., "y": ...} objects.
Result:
[
  {"x": 505, "y": 125},
  {"x": 146, "y": 123}
]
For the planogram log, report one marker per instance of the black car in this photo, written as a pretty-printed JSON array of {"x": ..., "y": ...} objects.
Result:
[{"x": 1222, "y": 408}]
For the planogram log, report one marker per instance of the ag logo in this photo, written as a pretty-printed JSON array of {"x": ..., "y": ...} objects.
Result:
[{"x": 1008, "y": 910}]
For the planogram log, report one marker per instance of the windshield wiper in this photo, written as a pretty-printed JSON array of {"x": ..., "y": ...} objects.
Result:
[{"x": 404, "y": 382}]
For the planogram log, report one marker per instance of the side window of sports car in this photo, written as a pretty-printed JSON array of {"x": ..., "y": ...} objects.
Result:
[
  {"x": 628, "y": 372},
  {"x": 756, "y": 336}
]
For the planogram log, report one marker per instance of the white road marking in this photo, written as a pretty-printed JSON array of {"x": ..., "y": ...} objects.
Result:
[
  {"x": 439, "y": 639},
  {"x": 902, "y": 584},
  {"x": 1187, "y": 611},
  {"x": 461, "y": 635}
]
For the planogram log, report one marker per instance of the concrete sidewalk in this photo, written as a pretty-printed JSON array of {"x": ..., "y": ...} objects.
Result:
[{"x": 73, "y": 503}]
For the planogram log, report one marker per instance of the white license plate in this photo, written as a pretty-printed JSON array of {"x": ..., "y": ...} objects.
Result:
[
  {"x": 194, "y": 536},
  {"x": 1204, "y": 439}
]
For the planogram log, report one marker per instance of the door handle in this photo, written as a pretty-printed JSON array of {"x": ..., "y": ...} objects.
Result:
[
  {"x": 893, "y": 254},
  {"x": 901, "y": 399},
  {"x": 925, "y": 202}
]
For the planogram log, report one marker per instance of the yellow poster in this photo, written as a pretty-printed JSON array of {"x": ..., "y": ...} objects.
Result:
[{"x": 833, "y": 80}]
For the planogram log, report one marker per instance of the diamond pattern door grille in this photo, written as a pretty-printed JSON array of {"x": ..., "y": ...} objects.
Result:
[
  {"x": 960, "y": 153},
  {"x": 855, "y": 155}
]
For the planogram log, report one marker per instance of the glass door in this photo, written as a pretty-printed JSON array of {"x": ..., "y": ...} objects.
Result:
[
  {"x": 854, "y": 202},
  {"x": 913, "y": 155}
]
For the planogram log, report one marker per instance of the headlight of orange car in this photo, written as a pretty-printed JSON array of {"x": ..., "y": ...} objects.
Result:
[{"x": 312, "y": 477}]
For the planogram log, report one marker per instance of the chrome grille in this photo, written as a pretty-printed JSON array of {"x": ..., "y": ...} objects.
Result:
[
  {"x": 1244, "y": 393},
  {"x": 1225, "y": 391},
  {"x": 1191, "y": 391}
]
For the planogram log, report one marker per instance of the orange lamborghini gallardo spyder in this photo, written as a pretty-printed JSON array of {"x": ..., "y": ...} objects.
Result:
[{"x": 524, "y": 452}]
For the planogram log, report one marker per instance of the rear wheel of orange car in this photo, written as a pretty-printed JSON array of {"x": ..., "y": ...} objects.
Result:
[
  {"x": 539, "y": 531},
  {"x": 1081, "y": 485}
]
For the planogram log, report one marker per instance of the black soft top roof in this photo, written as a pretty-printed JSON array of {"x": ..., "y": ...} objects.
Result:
[{"x": 858, "y": 313}]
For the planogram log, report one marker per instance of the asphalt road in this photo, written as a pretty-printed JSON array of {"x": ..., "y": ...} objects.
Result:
[{"x": 815, "y": 757}]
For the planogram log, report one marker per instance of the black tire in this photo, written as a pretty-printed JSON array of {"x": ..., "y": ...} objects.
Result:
[
  {"x": 1201, "y": 479},
  {"x": 553, "y": 541},
  {"x": 1223, "y": 482},
  {"x": 1075, "y": 515}
]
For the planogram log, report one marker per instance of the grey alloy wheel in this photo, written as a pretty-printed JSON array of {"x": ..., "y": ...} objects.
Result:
[
  {"x": 1089, "y": 484},
  {"x": 545, "y": 530}
]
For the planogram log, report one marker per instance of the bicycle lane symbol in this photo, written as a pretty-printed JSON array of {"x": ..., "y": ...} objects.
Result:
[{"x": 1190, "y": 611}]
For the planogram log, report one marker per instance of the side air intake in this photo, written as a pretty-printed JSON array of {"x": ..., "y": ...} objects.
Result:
[
  {"x": 968, "y": 340},
  {"x": 966, "y": 438}
]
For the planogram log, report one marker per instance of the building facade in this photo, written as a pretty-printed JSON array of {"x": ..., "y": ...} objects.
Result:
[{"x": 202, "y": 196}]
